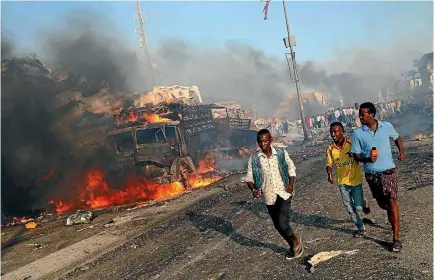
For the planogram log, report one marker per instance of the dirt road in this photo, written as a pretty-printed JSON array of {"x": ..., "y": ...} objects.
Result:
[
  {"x": 229, "y": 235},
  {"x": 220, "y": 232}
]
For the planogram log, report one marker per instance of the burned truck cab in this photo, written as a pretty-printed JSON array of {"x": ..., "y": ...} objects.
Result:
[{"x": 155, "y": 150}]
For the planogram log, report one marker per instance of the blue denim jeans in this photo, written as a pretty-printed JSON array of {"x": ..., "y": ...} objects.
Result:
[{"x": 354, "y": 200}]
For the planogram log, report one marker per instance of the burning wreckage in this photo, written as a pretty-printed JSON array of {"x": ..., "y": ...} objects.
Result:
[
  {"x": 155, "y": 150},
  {"x": 166, "y": 142}
]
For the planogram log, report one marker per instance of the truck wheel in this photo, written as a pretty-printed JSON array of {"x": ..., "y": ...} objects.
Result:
[{"x": 185, "y": 172}]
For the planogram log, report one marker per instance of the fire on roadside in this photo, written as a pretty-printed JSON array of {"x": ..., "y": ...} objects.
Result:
[
  {"x": 22, "y": 220},
  {"x": 207, "y": 164},
  {"x": 95, "y": 193}
]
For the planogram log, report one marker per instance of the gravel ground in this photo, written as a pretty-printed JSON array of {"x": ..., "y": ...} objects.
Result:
[
  {"x": 221, "y": 233},
  {"x": 229, "y": 236}
]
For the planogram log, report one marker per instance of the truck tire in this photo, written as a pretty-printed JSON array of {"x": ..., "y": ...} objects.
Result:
[{"x": 185, "y": 175}]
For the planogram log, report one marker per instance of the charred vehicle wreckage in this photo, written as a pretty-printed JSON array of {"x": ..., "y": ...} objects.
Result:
[{"x": 166, "y": 142}]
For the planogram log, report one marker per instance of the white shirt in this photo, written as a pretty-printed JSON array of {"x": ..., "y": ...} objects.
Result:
[
  {"x": 337, "y": 114},
  {"x": 273, "y": 184}
]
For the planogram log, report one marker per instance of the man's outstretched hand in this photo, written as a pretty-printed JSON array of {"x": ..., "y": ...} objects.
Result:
[
  {"x": 330, "y": 178},
  {"x": 401, "y": 156},
  {"x": 289, "y": 188},
  {"x": 256, "y": 193}
]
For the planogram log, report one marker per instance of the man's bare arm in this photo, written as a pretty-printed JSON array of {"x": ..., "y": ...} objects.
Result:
[
  {"x": 251, "y": 186},
  {"x": 291, "y": 180},
  {"x": 360, "y": 158},
  {"x": 398, "y": 143}
]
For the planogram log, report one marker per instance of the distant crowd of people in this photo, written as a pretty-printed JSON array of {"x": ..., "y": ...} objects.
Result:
[{"x": 349, "y": 116}]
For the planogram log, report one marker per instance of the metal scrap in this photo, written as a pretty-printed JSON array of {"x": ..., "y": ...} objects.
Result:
[{"x": 80, "y": 217}]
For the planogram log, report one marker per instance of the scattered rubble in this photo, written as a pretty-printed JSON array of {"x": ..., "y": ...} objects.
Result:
[
  {"x": 326, "y": 255},
  {"x": 420, "y": 137},
  {"x": 80, "y": 217},
  {"x": 36, "y": 246},
  {"x": 118, "y": 220},
  {"x": 89, "y": 227}
]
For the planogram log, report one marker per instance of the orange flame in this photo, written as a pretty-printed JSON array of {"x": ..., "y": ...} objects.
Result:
[
  {"x": 47, "y": 176},
  {"x": 22, "y": 220},
  {"x": 61, "y": 206},
  {"x": 197, "y": 182},
  {"x": 207, "y": 164},
  {"x": 96, "y": 192},
  {"x": 154, "y": 118},
  {"x": 132, "y": 117}
]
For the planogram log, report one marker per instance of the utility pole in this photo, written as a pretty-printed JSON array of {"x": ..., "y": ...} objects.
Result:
[
  {"x": 294, "y": 67},
  {"x": 323, "y": 101},
  {"x": 143, "y": 40}
]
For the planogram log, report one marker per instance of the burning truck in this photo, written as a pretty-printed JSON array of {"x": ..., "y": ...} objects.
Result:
[{"x": 166, "y": 143}]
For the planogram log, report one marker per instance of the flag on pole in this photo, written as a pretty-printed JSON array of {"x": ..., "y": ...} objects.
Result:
[{"x": 265, "y": 10}]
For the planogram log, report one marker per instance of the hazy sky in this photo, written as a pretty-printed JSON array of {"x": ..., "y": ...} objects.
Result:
[{"x": 320, "y": 27}]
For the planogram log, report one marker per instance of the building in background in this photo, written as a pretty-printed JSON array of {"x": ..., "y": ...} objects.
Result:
[{"x": 313, "y": 103}]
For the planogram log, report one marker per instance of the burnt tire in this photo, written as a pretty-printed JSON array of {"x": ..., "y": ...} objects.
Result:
[{"x": 185, "y": 174}]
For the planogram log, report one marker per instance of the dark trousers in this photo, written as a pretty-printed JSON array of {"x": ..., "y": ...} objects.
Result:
[{"x": 280, "y": 215}]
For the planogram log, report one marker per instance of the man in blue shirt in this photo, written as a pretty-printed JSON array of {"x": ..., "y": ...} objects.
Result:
[{"x": 380, "y": 172}]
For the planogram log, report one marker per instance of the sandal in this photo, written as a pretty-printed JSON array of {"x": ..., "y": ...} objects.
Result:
[
  {"x": 298, "y": 252},
  {"x": 359, "y": 233}
]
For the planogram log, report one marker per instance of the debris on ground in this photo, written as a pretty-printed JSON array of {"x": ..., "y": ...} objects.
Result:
[
  {"x": 31, "y": 225},
  {"x": 140, "y": 205},
  {"x": 326, "y": 255},
  {"x": 316, "y": 239},
  {"x": 17, "y": 221},
  {"x": 91, "y": 226},
  {"x": 80, "y": 217},
  {"x": 36, "y": 246},
  {"x": 117, "y": 221},
  {"x": 134, "y": 246},
  {"x": 419, "y": 137}
]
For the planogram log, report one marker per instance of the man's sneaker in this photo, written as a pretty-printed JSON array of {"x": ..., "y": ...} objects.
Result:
[
  {"x": 359, "y": 233},
  {"x": 397, "y": 246}
]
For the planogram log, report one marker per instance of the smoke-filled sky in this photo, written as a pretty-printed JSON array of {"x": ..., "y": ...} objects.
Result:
[{"x": 231, "y": 57}]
